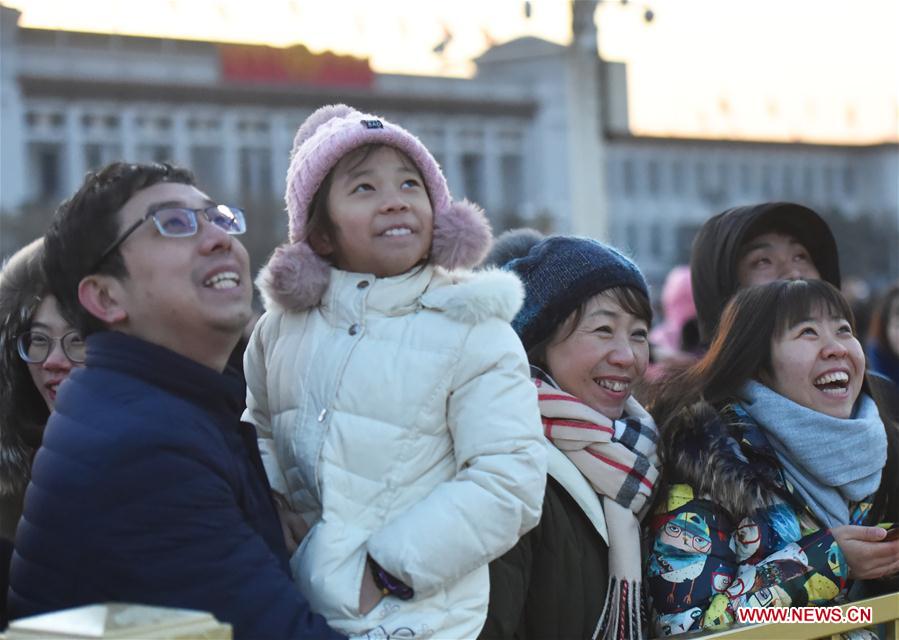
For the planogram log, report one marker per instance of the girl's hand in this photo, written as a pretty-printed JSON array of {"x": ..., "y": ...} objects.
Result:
[
  {"x": 369, "y": 594},
  {"x": 293, "y": 526},
  {"x": 866, "y": 552}
]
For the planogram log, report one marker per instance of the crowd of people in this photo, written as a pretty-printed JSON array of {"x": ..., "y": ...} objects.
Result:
[{"x": 434, "y": 434}]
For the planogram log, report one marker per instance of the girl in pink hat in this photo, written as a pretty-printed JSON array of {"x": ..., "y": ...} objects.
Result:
[{"x": 389, "y": 392}]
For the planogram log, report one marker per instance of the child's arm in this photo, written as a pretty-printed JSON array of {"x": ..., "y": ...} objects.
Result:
[
  {"x": 257, "y": 411},
  {"x": 497, "y": 493}
]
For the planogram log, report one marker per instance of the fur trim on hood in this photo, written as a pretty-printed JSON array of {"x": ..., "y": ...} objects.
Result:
[
  {"x": 701, "y": 448},
  {"x": 476, "y": 296}
]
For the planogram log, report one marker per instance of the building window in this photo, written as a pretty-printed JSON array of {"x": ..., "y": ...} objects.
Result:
[
  {"x": 723, "y": 177},
  {"x": 206, "y": 163},
  {"x": 808, "y": 182},
  {"x": 678, "y": 177},
  {"x": 789, "y": 190},
  {"x": 745, "y": 179},
  {"x": 512, "y": 170},
  {"x": 97, "y": 156},
  {"x": 849, "y": 182},
  {"x": 628, "y": 178},
  {"x": 699, "y": 170},
  {"x": 47, "y": 162},
  {"x": 472, "y": 176},
  {"x": 829, "y": 181},
  {"x": 154, "y": 153},
  {"x": 93, "y": 156},
  {"x": 632, "y": 238},
  {"x": 255, "y": 173},
  {"x": 656, "y": 249},
  {"x": 767, "y": 181},
  {"x": 654, "y": 177},
  {"x": 684, "y": 236}
]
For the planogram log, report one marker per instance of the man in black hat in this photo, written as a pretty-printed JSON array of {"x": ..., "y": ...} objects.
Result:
[{"x": 757, "y": 244}]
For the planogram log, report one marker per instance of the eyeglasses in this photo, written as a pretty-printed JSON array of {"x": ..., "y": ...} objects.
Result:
[
  {"x": 181, "y": 222},
  {"x": 35, "y": 346}
]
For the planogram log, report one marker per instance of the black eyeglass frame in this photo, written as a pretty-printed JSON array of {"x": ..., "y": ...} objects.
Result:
[
  {"x": 239, "y": 215},
  {"x": 23, "y": 354}
]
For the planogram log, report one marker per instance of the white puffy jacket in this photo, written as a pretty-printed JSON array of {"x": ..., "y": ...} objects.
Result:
[{"x": 399, "y": 417}]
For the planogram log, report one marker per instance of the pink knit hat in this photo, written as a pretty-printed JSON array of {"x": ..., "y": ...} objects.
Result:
[
  {"x": 295, "y": 278},
  {"x": 677, "y": 308}
]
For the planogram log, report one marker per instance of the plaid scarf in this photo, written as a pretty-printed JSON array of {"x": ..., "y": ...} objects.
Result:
[{"x": 618, "y": 459}]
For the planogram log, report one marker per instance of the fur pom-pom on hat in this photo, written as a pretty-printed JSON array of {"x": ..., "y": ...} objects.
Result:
[
  {"x": 462, "y": 236},
  {"x": 295, "y": 278},
  {"x": 461, "y": 232}
]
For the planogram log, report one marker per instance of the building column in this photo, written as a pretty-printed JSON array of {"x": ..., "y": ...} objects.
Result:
[
  {"x": 493, "y": 176},
  {"x": 13, "y": 150},
  {"x": 180, "y": 138},
  {"x": 586, "y": 139},
  {"x": 74, "y": 165},
  {"x": 128, "y": 137},
  {"x": 230, "y": 157},
  {"x": 451, "y": 169},
  {"x": 279, "y": 147}
]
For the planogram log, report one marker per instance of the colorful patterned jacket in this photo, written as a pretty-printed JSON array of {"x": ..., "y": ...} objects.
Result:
[{"x": 729, "y": 532}]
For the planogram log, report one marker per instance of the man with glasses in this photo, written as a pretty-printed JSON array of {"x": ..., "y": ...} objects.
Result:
[{"x": 147, "y": 487}]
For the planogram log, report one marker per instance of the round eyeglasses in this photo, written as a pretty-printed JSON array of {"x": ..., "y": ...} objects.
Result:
[
  {"x": 35, "y": 346},
  {"x": 181, "y": 222}
]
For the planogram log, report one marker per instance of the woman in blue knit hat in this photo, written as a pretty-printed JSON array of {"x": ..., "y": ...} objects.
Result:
[{"x": 584, "y": 325}]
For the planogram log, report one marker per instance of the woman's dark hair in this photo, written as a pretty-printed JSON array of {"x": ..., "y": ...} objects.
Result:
[
  {"x": 741, "y": 348},
  {"x": 741, "y": 351},
  {"x": 629, "y": 299},
  {"x": 23, "y": 412},
  {"x": 877, "y": 331}
]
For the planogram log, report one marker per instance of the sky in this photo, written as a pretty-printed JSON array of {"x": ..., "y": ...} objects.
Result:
[{"x": 784, "y": 70}]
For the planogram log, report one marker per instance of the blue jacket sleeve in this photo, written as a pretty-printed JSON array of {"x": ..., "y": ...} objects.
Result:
[
  {"x": 227, "y": 564},
  {"x": 181, "y": 522}
]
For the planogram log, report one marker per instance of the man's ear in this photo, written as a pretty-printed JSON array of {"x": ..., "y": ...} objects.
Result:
[{"x": 99, "y": 294}]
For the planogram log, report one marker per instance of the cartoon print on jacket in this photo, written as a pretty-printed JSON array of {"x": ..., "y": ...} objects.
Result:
[
  {"x": 683, "y": 546},
  {"x": 711, "y": 557}
]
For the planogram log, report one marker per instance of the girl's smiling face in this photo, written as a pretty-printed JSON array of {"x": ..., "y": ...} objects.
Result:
[
  {"x": 380, "y": 214},
  {"x": 602, "y": 358},
  {"x": 819, "y": 364}
]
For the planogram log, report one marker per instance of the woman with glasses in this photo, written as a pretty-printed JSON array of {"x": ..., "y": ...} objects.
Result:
[
  {"x": 38, "y": 350},
  {"x": 780, "y": 468}
]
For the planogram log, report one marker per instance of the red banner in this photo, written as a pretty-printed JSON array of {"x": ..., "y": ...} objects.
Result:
[{"x": 292, "y": 65}]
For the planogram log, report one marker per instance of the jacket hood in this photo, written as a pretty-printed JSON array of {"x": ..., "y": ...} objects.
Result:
[{"x": 716, "y": 251}]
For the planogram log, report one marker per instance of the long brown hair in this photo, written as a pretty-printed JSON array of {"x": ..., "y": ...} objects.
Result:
[
  {"x": 23, "y": 412},
  {"x": 741, "y": 351},
  {"x": 877, "y": 333}
]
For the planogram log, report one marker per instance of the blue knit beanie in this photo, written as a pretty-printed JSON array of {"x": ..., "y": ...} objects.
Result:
[{"x": 559, "y": 274}]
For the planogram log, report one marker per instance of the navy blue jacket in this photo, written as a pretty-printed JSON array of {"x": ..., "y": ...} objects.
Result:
[{"x": 147, "y": 488}]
